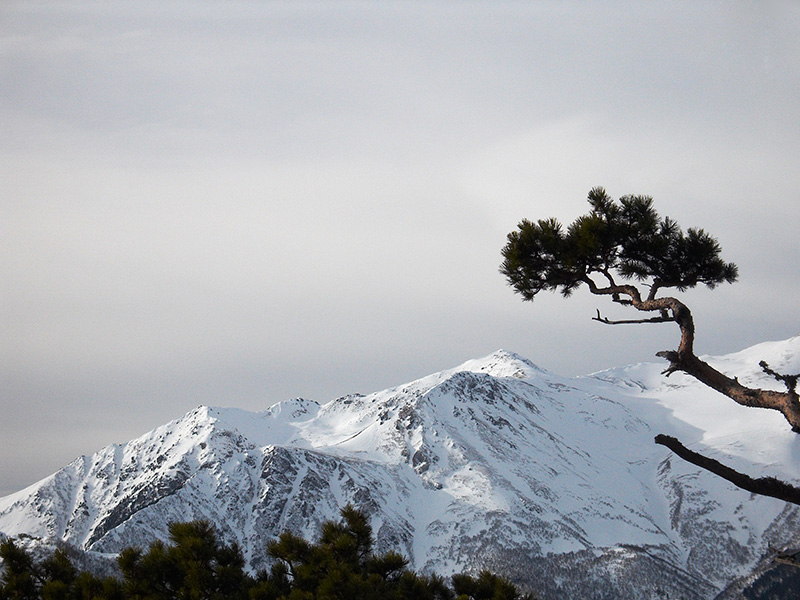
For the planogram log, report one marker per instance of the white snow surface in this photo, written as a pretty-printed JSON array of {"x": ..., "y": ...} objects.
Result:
[{"x": 496, "y": 462}]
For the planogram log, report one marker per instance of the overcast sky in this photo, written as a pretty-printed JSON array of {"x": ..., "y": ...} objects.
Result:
[{"x": 237, "y": 203}]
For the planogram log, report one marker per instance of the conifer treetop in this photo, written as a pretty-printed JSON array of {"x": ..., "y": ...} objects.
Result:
[{"x": 615, "y": 243}]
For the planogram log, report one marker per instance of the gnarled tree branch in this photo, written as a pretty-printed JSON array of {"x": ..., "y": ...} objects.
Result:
[
  {"x": 763, "y": 486},
  {"x": 683, "y": 359}
]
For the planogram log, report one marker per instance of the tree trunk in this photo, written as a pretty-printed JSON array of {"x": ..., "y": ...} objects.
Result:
[
  {"x": 684, "y": 359},
  {"x": 785, "y": 402}
]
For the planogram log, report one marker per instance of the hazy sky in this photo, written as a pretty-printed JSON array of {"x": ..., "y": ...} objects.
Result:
[{"x": 236, "y": 203}]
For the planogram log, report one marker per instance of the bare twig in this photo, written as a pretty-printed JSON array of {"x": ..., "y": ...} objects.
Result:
[
  {"x": 662, "y": 319},
  {"x": 789, "y": 380}
]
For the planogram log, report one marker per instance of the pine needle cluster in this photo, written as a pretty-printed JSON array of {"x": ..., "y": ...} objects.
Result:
[{"x": 625, "y": 238}]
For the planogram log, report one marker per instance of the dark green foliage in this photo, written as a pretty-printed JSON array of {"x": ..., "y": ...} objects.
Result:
[
  {"x": 487, "y": 586},
  {"x": 87, "y": 586},
  {"x": 625, "y": 238},
  {"x": 195, "y": 566},
  {"x": 341, "y": 565},
  {"x": 20, "y": 580},
  {"x": 58, "y": 576},
  {"x": 780, "y": 582}
]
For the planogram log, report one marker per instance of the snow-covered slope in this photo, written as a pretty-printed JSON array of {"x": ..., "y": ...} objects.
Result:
[{"x": 496, "y": 463}]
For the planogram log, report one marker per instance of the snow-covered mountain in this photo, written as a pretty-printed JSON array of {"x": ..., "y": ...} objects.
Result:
[{"x": 497, "y": 463}]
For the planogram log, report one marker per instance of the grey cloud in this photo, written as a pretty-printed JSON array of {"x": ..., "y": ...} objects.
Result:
[{"x": 239, "y": 203}]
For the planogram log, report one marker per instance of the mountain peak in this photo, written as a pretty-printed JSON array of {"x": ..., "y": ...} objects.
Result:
[
  {"x": 501, "y": 363},
  {"x": 495, "y": 461}
]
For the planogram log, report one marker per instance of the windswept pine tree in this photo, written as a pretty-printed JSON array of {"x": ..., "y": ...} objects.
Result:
[{"x": 625, "y": 251}]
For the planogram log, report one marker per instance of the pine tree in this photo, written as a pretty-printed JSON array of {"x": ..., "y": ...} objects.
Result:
[
  {"x": 614, "y": 250},
  {"x": 19, "y": 580}
]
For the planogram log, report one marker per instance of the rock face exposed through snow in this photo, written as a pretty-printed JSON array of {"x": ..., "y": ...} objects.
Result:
[{"x": 555, "y": 482}]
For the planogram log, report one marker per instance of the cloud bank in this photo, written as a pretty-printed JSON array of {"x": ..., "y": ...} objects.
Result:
[{"x": 238, "y": 203}]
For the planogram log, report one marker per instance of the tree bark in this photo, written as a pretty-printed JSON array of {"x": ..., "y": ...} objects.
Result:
[
  {"x": 763, "y": 486},
  {"x": 785, "y": 402}
]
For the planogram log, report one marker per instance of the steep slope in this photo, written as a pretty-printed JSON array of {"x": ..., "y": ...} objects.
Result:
[{"x": 498, "y": 463}]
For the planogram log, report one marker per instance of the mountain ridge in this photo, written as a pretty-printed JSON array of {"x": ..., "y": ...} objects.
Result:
[{"x": 496, "y": 462}]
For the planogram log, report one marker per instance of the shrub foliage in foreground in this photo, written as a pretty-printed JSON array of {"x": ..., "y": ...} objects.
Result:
[{"x": 195, "y": 566}]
